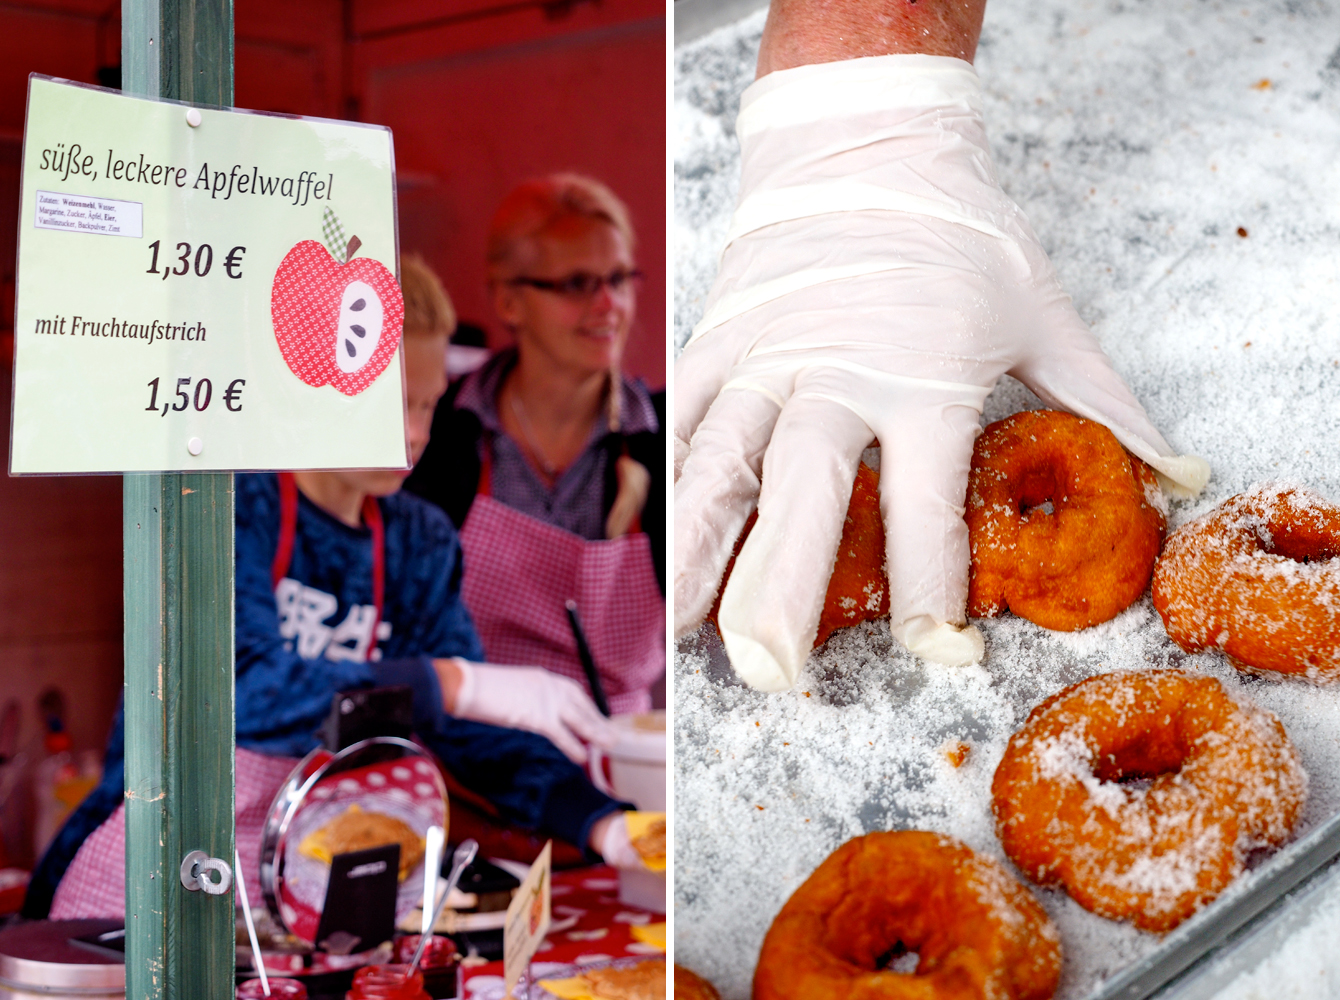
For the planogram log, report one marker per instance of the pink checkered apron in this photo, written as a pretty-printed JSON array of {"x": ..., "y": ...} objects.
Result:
[
  {"x": 95, "y": 883},
  {"x": 519, "y": 572}
]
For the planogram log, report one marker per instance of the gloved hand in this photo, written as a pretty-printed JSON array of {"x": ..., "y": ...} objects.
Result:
[
  {"x": 876, "y": 283},
  {"x": 533, "y": 699},
  {"x": 617, "y": 848}
]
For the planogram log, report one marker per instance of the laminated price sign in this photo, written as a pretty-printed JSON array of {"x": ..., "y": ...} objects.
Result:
[
  {"x": 527, "y": 920},
  {"x": 203, "y": 290}
]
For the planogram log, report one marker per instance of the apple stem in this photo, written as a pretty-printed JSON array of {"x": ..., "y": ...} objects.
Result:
[{"x": 354, "y": 244}]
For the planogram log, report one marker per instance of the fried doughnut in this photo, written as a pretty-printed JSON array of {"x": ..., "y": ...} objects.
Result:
[
  {"x": 1087, "y": 560},
  {"x": 1259, "y": 578},
  {"x": 691, "y": 986},
  {"x": 1141, "y": 793},
  {"x": 975, "y": 931},
  {"x": 858, "y": 590}
]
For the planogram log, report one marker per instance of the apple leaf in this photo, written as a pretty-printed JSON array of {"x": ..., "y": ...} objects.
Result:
[{"x": 332, "y": 234}]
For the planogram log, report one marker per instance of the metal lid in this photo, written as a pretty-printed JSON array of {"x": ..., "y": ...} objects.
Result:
[{"x": 39, "y": 957}]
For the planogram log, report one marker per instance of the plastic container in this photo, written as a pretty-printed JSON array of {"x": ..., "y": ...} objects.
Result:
[
  {"x": 637, "y": 762},
  {"x": 642, "y": 889},
  {"x": 387, "y": 982},
  {"x": 637, "y": 775},
  {"x": 280, "y": 989}
]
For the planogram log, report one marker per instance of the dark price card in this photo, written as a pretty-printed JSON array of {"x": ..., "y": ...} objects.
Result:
[{"x": 359, "y": 912}]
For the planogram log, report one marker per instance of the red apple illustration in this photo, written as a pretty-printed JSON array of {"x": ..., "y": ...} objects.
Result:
[{"x": 336, "y": 324}]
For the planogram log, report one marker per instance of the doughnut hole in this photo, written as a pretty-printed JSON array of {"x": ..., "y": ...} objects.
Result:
[
  {"x": 1038, "y": 493},
  {"x": 1145, "y": 757},
  {"x": 899, "y": 959},
  {"x": 1300, "y": 542},
  {"x": 878, "y": 934}
]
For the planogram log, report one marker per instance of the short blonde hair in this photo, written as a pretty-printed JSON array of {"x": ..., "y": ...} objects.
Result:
[
  {"x": 535, "y": 205},
  {"x": 428, "y": 308}
]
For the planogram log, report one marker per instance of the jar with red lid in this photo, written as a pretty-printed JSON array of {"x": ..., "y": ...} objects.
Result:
[
  {"x": 387, "y": 982},
  {"x": 280, "y": 989},
  {"x": 440, "y": 954}
]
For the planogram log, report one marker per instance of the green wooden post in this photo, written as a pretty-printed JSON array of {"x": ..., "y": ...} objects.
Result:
[{"x": 178, "y": 532}]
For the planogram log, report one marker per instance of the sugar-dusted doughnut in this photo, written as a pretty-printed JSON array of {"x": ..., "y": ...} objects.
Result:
[
  {"x": 1259, "y": 578},
  {"x": 847, "y": 932},
  {"x": 1088, "y": 558},
  {"x": 1141, "y": 793}
]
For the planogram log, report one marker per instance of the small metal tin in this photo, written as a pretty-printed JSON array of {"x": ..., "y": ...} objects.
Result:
[{"x": 37, "y": 960}]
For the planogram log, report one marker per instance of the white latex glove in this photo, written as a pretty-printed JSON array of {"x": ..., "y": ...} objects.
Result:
[
  {"x": 533, "y": 699},
  {"x": 616, "y": 847},
  {"x": 876, "y": 283}
]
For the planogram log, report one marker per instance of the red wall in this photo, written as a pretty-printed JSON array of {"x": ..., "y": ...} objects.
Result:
[
  {"x": 480, "y": 94},
  {"x": 585, "y": 92}
]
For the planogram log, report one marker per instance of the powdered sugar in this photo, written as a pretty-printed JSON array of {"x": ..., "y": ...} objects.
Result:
[
  {"x": 1166, "y": 875},
  {"x": 1155, "y": 498},
  {"x": 1136, "y": 161}
]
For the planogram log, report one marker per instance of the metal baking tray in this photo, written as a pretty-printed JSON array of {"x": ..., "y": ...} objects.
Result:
[{"x": 1221, "y": 941}]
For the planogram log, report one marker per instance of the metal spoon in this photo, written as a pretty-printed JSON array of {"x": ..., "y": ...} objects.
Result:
[
  {"x": 459, "y": 861},
  {"x": 432, "y": 871}
]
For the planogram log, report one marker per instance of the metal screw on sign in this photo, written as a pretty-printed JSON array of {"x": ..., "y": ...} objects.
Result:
[{"x": 195, "y": 869}]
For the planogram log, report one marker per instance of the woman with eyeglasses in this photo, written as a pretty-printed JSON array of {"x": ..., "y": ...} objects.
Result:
[{"x": 551, "y": 460}]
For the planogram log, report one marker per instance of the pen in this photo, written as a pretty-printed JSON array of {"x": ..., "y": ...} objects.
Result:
[{"x": 588, "y": 664}]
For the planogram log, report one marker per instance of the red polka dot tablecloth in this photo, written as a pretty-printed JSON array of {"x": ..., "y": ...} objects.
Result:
[{"x": 589, "y": 926}]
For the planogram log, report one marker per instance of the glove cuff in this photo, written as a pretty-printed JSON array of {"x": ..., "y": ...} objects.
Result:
[
  {"x": 853, "y": 87},
  {"x": 884, "y": 134}
]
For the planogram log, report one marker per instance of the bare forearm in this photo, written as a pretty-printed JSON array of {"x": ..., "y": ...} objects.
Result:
[
  {"x": 449, "y": 679},
  {"x": 801, "y": 32}
]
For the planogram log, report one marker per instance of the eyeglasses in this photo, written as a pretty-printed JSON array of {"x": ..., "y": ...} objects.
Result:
[{"x": 582, "y": 285}]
